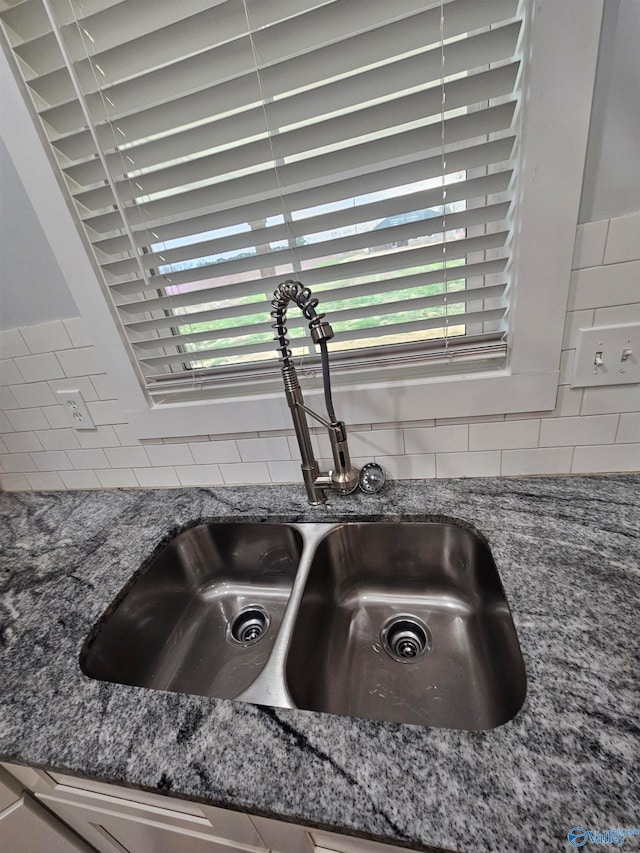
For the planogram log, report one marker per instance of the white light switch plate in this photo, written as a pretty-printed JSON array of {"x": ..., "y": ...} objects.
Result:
[
  {"x": 76, "y": 409},
  {"x": 607, "y": 355}
]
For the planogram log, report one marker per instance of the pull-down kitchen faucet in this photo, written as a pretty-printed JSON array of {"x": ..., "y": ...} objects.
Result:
[{"x": 344, "y": 478}]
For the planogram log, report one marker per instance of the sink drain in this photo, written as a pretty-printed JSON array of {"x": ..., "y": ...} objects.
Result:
[
  {"x": 249, "y": 625},
  {"x": 405, "y": 638}
]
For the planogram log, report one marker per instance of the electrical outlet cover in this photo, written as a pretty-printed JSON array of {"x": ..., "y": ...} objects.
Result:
[{"x": 76, "y": 409}]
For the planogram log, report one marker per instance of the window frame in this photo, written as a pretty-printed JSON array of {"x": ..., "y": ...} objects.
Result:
[{"x": 559, "y": 81}]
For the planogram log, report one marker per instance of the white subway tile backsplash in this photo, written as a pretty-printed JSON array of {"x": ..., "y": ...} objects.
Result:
[
  {"x": 14, "y": 483},
  {"x": 34, "y": 394},
  {"x": 610, "y": 399},
  {"x": 77, "y": 331},
  {"x": 80, "y": 362},
  {"x": 169, "y": 454},
  {"x": 569, "y": 401},
  {"x": 9, "y": 373},
  {"x": 56, "y": 417},
  {"x": 46, "y": 337},
  {"x": 599, "y": 287},
  {"x": 376, "y": 442},
  {"x": 124, "y": 434},
  {"x": 199, "y": 475},
  {"x": 606, "y": 458},
  {"x": 409, "y": 467},
  {"x": 22, "y": 420},
  {"x": 83, "y": 384},
  {"x": 45, "y": 481},
  {"x": 480, "y": 463},
  {"x": 88, "y": 459},
  {"x": 539, "y": 460},
  {"x": 17, "y": 463},
  {"x": 7, "y": 400},
  {"x": 3, "y": 446},
  {"x": 209, "y": 453},
  {"x": 38, "y": 368},
  {"x": 316, "y": 442},
  {"x": 498, "y": 436},
  {"x": 5, "y": 426},
  {"x": 565, "y": 432},
  {"x": 436, "y": 439},
  {"x": 156, "y": 478},
  {"x": 117, "y": 478},
  {"x": 52, "y": 460},
  {"x": 623, "y": 239},
  {"x": 245, "y": 472},
  {"x": 287, "y": 471},
  {"x": 104, "y": 387},
  {"x": 478, "y": 419},
  {"x": 567, "y": 358},
  {"x": 629, "y": 428},
  {"x": 405, "y": 424},
  {"x": 574, "y": 321},
  {"x": 263, "y": 449},
  {"x": 17, "y": 442},
  {"x": 617, "y": 315},
  {"x": 127, "y": 457},
  {"x": 102, "y": 436},
  {"x": 12, "y": 344},
  {"x": 590, "y": 242},
  {"x": 104, "y": 412},
  {"x": 57, "y": 439},
  {"x": 80, "y": 479}
]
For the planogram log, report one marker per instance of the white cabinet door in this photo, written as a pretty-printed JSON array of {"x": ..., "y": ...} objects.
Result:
[
  {"x": 25, "y": 827},
  {"x": 10, "y": 790},
  {"x": 111, "y": 824},
  {"x": 281, "y": 837}
]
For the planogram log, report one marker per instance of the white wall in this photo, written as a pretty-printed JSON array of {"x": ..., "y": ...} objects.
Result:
[
  {"x": 612, "y": 173},
  {"x": 32, "y": 288},
  {"x": 590, "y": 430}
]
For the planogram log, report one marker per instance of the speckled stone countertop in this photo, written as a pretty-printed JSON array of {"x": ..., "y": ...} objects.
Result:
[{"x": 568, "y": 552}]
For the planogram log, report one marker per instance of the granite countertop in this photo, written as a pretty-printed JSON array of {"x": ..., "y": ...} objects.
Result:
[{"x": 567, "y": 549}]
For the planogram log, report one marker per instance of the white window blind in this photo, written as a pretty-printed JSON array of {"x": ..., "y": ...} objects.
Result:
[{"x": 213, "y": 149}]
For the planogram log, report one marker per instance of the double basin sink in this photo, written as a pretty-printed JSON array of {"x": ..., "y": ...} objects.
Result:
[{"x": 403, "y": 622}]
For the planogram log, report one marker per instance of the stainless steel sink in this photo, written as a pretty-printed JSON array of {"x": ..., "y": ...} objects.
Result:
[
  {"x": 403, "y": 622},
  {"x": 203, "y": 617},
  {"x": 407, "y": 623}
]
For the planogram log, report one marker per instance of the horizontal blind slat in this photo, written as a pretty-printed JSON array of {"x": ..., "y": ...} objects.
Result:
[
  {"x": 341, "y": 245},
  {"x": 497, "y": 182},
  {"x": 172, "y": 109},
  {"x": 485, "y": 154},
  {"x": 350, "y": 162},
  {"x": 378, "y": 118},
  {"x": 374, "y": 265},
  {"x": 449, "y": 298},
  {"x": 254, "y": 288},
  {"x": 403, "y": 73},
  {"x": 374, "y": 331}
]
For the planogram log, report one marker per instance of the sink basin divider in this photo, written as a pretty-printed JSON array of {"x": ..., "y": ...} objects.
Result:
[{"x": 270, "y": 687}]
